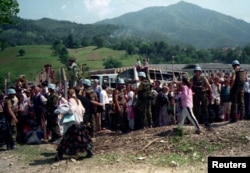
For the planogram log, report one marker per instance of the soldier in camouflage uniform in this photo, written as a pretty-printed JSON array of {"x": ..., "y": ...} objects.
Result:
[
  {"x": 202, "y": 93},
  {"x": 143, "y": 118},
  {"x": 52, "y": 118},
  {"x": 75, "y": 73},
  {"x": 237, "y": 92},
  {"x": 92, "y": 96},
  {"x": 120, "y": 107},
  {"x": 11, "y": 118}
]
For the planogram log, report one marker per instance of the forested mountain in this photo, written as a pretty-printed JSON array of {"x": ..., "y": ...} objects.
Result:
[
  {"x": 46, "y": 31},
  {"x": 182, "y": 23},
  {"x": 187, "y": 23}
]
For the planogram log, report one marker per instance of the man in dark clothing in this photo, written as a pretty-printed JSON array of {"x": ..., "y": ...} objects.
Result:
[
  {"x": 144, "y": 118},
  {"x": 39, "y": 108},
  {"x": 202, "y": 93},
  {"x": 89, "y": 108},
  {"x": 237, "y": 92},
  {"x": 52, "y": 118},
  {"x": 11, "y": 117},
  {"x": 90, "y": 94},
  {"x": 120, "y": 104}
]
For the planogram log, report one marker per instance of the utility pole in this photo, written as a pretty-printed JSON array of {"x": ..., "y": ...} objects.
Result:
[{"x": 173, "y": 67}]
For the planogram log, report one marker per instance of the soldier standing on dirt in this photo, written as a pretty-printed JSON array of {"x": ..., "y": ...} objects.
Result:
[
  {"x": 52, "y": 118},
  {"x": 202, "y": 89},
  {"x": 90, "y": 94},
  {"x": 120, "y": 105},
  {"x": 11, "y": 117},
  {"x": 143, "y": 119},
  {"x": 237, "y": 92}
]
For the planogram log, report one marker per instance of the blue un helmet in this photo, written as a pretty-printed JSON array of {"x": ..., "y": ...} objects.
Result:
[
  {"x": 142, "y": 74},
  {"x": 121, "y": 81},
  {"x": 52, "y": 86},
  {"x": 11, "y": 91},
  {"x": 235, "y": 62},
  {"x": 86, "y": 82},
  {"x": 197, "y": 68}
]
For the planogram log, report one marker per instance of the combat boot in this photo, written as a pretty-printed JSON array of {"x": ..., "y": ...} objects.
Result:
[{"x": 90, "y": 154}]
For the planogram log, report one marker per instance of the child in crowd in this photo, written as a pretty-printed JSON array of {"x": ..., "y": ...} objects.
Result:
[
  {"x": 187, "y": 107},
  {"x": 225, "y": 99}
]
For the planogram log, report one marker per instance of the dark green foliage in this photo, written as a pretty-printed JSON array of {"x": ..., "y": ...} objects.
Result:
[
  {"x": 46, "y": 31},
  {"x": 59, "y": 49},
  {"x": 8, "y": 11},
  {"x": 99, "y": 41},
  {"x": 85, "y": 42},
  {"x": 70, "y": 42},
  {"x": 183, "y": 24},
  {"x": 21, "y": 52},
  {"x": 111, "y": 63}
]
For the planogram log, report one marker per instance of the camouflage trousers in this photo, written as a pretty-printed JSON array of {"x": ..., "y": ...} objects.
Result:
[
  {"x": 53, "y": 126},
  {"x": 238, "y": 103},
  {"x": 91, "y": 120},
  {"x": 143, "y": 116},
  {"x": 200, "y": 108},
  {"x": 121, "y": 120}
]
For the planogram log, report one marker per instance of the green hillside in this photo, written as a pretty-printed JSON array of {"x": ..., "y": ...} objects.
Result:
[
  {"x": 94, "y": 58},
  {"x": 36, "y": 57}
]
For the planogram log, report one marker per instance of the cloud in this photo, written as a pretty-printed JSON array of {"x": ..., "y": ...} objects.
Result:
[
  {"x": 247, "y": 19},
  {"x": 63, "y": 7},
  {"x": 97, "y": 4},
  {"x": 100, "y": 7}
]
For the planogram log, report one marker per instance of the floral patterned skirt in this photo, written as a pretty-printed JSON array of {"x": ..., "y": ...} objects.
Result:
[{"x": 76, "y": 139}]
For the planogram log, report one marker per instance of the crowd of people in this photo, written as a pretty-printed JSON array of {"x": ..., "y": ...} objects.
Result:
[{"x": 72, "y": 122}]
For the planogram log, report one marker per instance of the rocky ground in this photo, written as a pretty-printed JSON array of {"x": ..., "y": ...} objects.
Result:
[{"x": 154, "y": 150}]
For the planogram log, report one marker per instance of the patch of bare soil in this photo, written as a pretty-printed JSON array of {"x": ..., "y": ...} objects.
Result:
[{"x": 138, "y": 151}]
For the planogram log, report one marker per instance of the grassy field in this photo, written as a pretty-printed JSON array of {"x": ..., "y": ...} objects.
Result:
[
  {"x": 36, "y": 57},
  {"x": 94, "y": 58}
]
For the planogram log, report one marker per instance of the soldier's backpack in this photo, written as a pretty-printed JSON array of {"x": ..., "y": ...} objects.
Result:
[{"x": 240, "y": 77}]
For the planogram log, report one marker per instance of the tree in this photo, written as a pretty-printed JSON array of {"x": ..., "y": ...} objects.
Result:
[
  {"x": 21, "y": 52},
  {"x": 130, "y": 49},
  {"x": 111, "y": 63},
  {"x": 99, "y": 41},
  {"x": 70, "y": 41},
  {"x": 59, "y": 49},
  {"x": 85, "y": 42},
  {"x": 8, "y": 10}
]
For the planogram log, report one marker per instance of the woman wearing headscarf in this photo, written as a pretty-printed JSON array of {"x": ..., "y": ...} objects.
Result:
[{"x": 77, "y": 137}]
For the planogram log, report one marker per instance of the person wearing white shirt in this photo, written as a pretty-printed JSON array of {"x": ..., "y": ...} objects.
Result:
[
  {"x": 130, "y": 113},
  {"x": 104, "y": 99},
  {"x": 215, "y": 101},
  {"x": 76, "y": 106}
]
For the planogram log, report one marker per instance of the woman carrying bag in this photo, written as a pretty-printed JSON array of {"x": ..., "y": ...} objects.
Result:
[{"x": 76, "y": 137}]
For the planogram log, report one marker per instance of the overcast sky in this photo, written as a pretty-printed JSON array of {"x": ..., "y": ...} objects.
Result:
[{"x": 91, "y": 11}]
